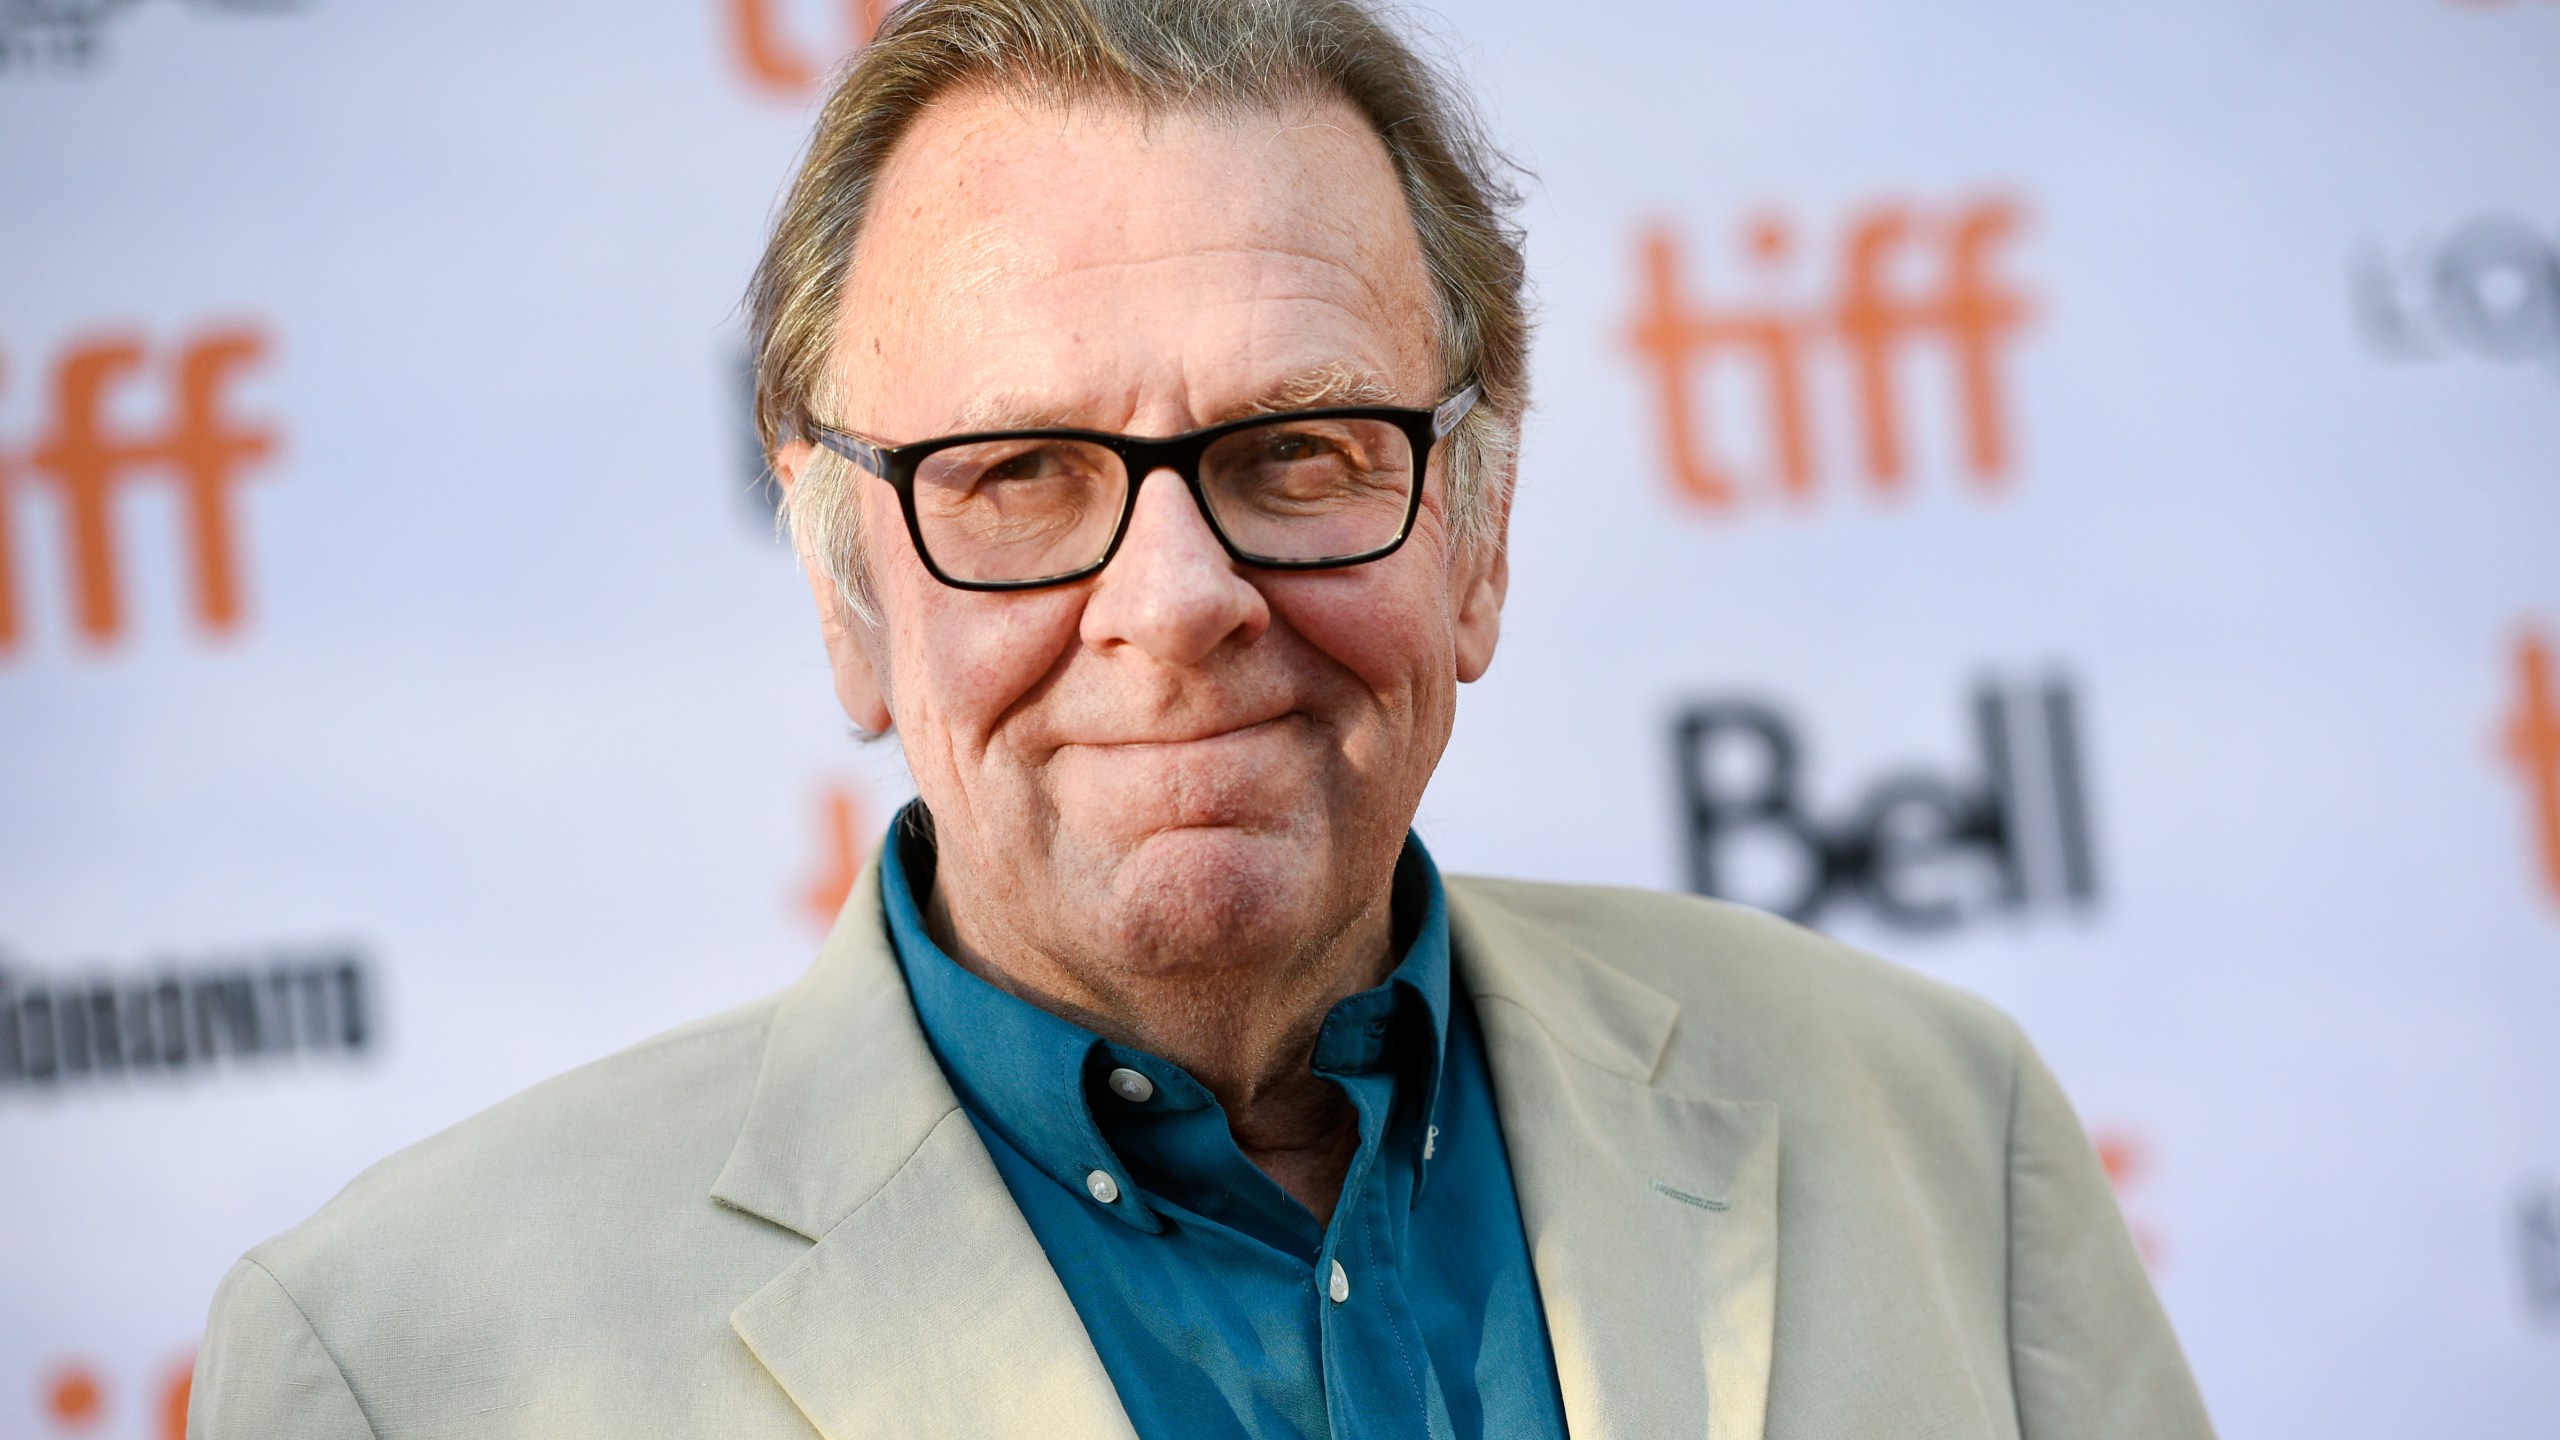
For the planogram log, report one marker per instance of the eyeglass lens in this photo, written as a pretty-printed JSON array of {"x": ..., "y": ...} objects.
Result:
[{"x": 1299, "y": 489}]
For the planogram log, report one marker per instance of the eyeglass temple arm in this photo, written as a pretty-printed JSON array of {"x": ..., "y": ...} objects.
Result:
[
  {"x": 1445, "y": 418},
  {"x": 860, "y": 452}
]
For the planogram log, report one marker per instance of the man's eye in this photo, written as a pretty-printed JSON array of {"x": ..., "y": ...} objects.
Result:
[
  {"x": 1297, "y": 447},
  {"x": 1037, "y": 465},
  {"x": 1030, "y": 466}
]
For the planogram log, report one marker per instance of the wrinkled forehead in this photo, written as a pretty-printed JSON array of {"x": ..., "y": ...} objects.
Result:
[{"x": 1089, "y": 263}]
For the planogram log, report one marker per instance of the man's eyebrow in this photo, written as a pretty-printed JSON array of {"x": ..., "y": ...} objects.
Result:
[
  {"x": 1309, "y": 389},
  {"x": 1015, "y": 410},
  {"x": 1320, "y": 386}
]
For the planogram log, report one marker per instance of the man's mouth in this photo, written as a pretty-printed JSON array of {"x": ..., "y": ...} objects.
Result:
[{"x": 1199, "y": 736}]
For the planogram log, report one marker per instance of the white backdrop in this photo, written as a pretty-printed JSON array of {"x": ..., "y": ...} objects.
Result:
[{"x": 425, "y": 706}]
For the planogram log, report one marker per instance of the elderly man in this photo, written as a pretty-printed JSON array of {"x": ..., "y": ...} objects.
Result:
[{"x": 1146, "y": 375}]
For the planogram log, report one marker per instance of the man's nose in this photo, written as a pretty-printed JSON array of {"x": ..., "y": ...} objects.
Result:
[{"x": 1171, "y": 590}]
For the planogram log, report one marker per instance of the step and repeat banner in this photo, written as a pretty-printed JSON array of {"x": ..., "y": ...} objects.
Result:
[{"x": 2067, "y": 498}]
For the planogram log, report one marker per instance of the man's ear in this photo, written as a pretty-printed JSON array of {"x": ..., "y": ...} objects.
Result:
[
  {"x": 848, "y": 638},
  {"x": 1479, "y": 579}
]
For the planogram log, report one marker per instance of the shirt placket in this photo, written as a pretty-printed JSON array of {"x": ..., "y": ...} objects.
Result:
[{"x": 1375, "y": 1367}]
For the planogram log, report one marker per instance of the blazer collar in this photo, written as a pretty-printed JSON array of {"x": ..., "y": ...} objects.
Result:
[
  {"x": 1652, "y": 1218},
  {"x": 1601, "y": 1015},
  {"x": 925, "y": 1307},
  {"x": 847, "y": 1090}
]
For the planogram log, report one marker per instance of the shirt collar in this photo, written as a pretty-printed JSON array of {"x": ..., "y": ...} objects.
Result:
[{"x": 1032, "y": 1077}]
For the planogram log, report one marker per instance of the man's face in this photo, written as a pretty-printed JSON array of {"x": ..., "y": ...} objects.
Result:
[{"x": 1180, "y": 762}]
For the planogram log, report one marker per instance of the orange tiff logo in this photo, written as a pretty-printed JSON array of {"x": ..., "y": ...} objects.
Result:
[
  {"x": 844, "y": 847},
  {"x": 773, "y": 62},
  {"x": 2533, "y": 743},
  {"x": 2125, "y": 1152},
  {"x": 1907, "y": 281},
  {"x": 76, "y": 1399},
  {"x": 86, "y": 458}
]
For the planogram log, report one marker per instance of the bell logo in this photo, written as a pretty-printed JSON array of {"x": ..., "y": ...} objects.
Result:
[
  {"x": 777, "y": 66},
  {"x": 2533, "y": 744},
  {"x": 1867, "y": 331},
  {"x": 87, "y": 460},
  {"x": 1921, "y": 852}
]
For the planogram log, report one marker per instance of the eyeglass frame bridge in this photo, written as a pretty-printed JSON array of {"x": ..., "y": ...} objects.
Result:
[{"x": 1140, "y": 456}]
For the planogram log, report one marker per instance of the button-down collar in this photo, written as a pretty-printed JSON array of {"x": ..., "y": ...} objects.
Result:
[{"x": 1044, "y": 1083}]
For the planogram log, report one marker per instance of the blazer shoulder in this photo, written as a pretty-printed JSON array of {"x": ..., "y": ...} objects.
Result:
[
  {"x": 652, "y": 1123},
  {"x": 1764, "y": 1002}
]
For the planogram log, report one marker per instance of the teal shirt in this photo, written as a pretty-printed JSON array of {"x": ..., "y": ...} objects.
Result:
[{"x": 1212, "y": 1296}]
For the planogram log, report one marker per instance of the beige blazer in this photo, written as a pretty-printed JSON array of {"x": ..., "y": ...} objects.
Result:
[{"x": 1771, "y": 1188}]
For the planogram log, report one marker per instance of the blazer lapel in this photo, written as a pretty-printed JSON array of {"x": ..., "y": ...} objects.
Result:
[
  {"x": 1652, "y": 1218},
  {"x": 926, "y": 1306}
]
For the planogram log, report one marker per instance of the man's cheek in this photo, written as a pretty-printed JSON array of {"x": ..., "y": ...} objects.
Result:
[
  {"x": 984, "y": 657},
  {"x": 1393, "y": 639}
]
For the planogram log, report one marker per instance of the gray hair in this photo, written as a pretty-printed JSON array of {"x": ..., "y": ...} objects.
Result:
[{"x": 1162, "y": 56}]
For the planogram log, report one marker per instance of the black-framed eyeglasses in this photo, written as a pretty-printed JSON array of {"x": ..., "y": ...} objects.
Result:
[{"x": 1296, "y": 490}]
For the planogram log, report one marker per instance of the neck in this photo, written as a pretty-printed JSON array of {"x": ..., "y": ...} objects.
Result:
[{"x": 1246, "y": 1031}]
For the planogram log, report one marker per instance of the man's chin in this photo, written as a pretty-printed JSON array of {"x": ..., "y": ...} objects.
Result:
[{"x": 1218, "y": 895}]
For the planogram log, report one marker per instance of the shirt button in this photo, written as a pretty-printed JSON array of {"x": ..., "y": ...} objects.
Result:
[
  {"x": 1131, "y": 1086},
  {"x": 1102, "y": 1187},
  {"x": 1339, "y": 1287}
]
